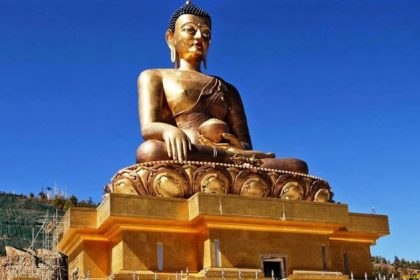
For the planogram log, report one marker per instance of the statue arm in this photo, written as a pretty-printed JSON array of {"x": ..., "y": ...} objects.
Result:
[
  {"x": 153, "y": 126},
  {"x": 150, "y": 93},
  {"x": 237, "y": 118}
]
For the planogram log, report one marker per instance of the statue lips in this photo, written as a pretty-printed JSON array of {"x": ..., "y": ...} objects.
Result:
[{"x": 197, "y": 46}]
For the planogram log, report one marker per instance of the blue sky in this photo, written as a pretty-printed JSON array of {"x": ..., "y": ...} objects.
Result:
[{"x": 333, "y": 82}]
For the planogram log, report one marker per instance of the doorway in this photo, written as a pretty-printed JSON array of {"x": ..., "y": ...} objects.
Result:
[{"x": 274, "y": 267}]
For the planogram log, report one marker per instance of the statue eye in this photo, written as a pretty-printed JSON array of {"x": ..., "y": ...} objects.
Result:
[
  {"x": 189, "y": 29},
  {"x": 206, "y": 33}
]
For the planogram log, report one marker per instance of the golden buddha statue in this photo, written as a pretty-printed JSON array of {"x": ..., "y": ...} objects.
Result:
[
  {"x": 196, "y": 134},
  {"x": 188, "y": 115}
]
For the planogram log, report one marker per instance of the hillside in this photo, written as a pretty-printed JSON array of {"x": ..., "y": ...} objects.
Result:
[
  {"x": 400, "y": 268},
  {"x": 19, "y": 217},
  {"x": 22, "y": 216}
]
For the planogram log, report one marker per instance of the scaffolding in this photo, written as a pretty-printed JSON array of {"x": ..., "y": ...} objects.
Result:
[{"x": 38, "y": 262}]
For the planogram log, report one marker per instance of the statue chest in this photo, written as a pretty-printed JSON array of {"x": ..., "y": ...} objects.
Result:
[
  {"x": 180, "y": 99},
  {"x": 208, "y": 97}
]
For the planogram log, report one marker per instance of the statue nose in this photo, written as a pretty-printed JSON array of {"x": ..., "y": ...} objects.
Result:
[{"x": 198, "y": 34}]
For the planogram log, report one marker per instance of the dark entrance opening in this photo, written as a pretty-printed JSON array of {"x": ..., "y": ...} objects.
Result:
[{"x": 274, "y": 267}]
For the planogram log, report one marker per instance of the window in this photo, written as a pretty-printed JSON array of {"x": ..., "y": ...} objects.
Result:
[
  {"x": 324, "y": 258},
  {"x": 346, "y": 264},
  {"x": 160, "y": 256},
  {"x": 217, "y": 254}
]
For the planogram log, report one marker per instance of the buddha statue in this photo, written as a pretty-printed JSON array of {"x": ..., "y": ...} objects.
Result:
[
  {"x": 196, "y": 133},
  {"x": 188, "y": 115}
]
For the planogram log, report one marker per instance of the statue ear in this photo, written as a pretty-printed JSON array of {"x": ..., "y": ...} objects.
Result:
[{"x": 169, "y": 40}]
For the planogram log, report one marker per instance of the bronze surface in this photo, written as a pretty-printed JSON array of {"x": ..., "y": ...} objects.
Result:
[
  {"x": 182, "y": 179},
  {"x": 185, "y": 114}
]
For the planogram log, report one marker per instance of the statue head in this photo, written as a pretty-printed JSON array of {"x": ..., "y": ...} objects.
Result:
[{"x": 189, "y": 33}]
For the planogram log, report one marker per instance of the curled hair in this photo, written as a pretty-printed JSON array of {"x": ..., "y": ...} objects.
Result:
[{"x": 188, "y": 9}]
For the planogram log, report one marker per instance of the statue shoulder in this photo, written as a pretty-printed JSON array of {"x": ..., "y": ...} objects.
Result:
[
  {"x": 155, "y": 75},
  {"x": 231, "y": 88},
  {"x": 150, "y": 75}
]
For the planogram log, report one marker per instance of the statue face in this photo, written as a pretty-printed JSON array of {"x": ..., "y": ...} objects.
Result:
[{"x": 191, "y": 38}]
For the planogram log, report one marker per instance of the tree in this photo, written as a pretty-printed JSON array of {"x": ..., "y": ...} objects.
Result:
[
  {"x": 73, "y": 200},
  {"x": 42, "y": 195},
  {"x": 59, "y": 202},
  {"x": 397, "y": 262}
]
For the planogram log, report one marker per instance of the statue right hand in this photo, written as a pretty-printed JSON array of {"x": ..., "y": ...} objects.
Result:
[
  {"x": 234, "y": 141},
  {"x": 177, "y": 143}
]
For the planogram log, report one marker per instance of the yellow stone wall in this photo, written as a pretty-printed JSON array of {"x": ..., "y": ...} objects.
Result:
[
  {"x": 117, "y": 253},
  {"x": 121, "y": 235},
  {"x": 358, "y": 254},
  {"x": 245, "y": 248},
  {"x": 93, "y": 249},
  {"x": 179, "y": 251}
]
